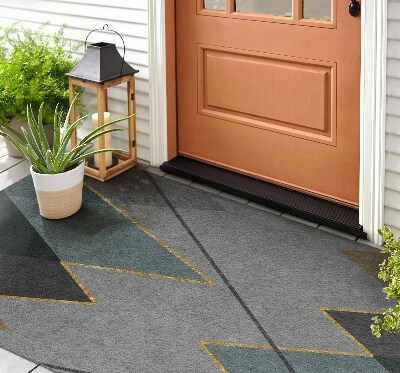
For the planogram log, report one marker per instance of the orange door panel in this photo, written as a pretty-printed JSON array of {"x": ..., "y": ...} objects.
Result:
[{"x": 266, "y": 90}]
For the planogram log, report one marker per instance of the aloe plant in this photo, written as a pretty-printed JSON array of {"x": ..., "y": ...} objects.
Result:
[{"x": 46, "y": 160}]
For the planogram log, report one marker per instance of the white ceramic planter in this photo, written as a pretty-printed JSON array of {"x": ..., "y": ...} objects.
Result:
[{"x": 59, "y": 195}]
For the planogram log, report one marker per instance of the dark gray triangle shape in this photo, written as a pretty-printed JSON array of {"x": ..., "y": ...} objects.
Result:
[
  {"x": 28, "y": 266},
  {"x": 385, "y": 349}
]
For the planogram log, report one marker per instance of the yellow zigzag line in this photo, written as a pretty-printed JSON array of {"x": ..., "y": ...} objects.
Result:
[
  {"x": 342, "y": 329},
  {"x": 2, "y": 325},
  {"x": 206, "y": 281},
  {"x": 366, "y": 353}
]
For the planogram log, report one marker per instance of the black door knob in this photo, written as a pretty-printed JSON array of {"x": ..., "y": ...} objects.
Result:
[{"x": 354, "y": 8}]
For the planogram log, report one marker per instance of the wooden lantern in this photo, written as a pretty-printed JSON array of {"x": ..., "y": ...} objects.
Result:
[{"x": 100, "y": 68}]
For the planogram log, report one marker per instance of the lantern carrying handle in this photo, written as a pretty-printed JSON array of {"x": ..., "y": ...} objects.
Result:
[{"x": 108, "y": 29}]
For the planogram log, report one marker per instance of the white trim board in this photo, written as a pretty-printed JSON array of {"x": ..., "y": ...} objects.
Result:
[
  {"x": 373, "y": 116},
  {"x": 372, "y": 105},
  {"x": 157, "y": 83}
]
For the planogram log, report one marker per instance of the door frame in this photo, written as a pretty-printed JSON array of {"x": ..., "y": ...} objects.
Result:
[{"x": 163, "y": 111}]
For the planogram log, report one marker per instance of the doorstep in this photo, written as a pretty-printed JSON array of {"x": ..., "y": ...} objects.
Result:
[{"x": 315, "y": 210}]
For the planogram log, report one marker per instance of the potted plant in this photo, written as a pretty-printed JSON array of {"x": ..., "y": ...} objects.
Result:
[
  {"x": 390, "y": 273},
  {"x": 33, "y": 71},
  {"x": 57, "y": 173}
]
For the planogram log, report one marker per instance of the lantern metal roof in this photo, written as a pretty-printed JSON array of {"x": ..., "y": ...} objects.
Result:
[{"x": 101, "y": 63}]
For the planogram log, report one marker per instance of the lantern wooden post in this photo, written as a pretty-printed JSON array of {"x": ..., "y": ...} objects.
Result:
[
  {"x": 72, "y": 117},
  {"x": 101, "y": 108},
  {"x": 132, "y": 121}
]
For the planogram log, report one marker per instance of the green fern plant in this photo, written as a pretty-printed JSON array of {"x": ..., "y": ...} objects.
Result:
[
  {"x": 389, "y": 272},
  {"x": 33, "y": 65},
  {"x": 46, "y": 160}
]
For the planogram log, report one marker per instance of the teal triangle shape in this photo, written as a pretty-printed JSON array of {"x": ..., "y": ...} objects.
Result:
[
  {"x": 262, "y": 359},
  {"x": 100, "y": 236}
]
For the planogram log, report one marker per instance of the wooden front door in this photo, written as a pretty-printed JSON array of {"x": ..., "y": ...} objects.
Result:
[{"x": 270, "y": 89}]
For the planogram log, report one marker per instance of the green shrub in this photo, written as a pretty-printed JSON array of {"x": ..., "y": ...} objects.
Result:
[
  {"x": 32, "y": 70},
  {"x": 390, "y": 274}
]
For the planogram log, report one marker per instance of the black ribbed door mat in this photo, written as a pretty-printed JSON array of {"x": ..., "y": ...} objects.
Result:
[{"x": 295, "y": 203}]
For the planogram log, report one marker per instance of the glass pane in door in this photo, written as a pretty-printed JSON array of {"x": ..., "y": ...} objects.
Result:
[
  {"x": 215, "y": 4},
  {"x": 317, "y": 9},
  {"x": 274, "y": 7}
]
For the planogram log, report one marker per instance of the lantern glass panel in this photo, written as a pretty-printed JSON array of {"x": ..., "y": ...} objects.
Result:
[
  {"x": 89, "y": 102},
  {"x": 118, "y": 108}
]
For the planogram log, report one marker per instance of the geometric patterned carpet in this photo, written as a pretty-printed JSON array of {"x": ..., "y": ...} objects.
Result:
[
  {"x": 100, "y": 235},
  {"x": 155, "y": 276},
  {"x": 44, "y": 250}
]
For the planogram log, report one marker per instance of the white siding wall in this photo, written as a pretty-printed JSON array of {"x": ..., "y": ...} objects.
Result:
[
  {"x": 392, "y": 182},
  {"x": 128, "y": 17}
]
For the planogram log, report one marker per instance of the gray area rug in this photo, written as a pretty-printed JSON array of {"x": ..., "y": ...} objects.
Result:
[{"x": 247, "y": 291}]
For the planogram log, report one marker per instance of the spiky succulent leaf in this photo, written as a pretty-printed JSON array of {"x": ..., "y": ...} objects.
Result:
[{"x": 34, "y": 145}]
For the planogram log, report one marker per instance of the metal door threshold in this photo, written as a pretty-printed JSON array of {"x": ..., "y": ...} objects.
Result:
[{"x": 289, "y": 201}]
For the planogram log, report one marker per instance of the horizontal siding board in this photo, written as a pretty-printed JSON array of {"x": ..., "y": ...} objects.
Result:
[
  {"x": 143, "y": 153},
  {"x": 121, "y": 136},
  {"x": 142, "y": 112},
  {"x": 119, "y": 95},
  {"x": 392, "y": 163},
  {"x": 393, "y": 49},
  {"x": 392, "y": 143},
  {"x": 127, "y": 17},
  {"x": 392, "y": 139},
  {"x": 393, "y": 87},
  {"x": 134, "y": 4},
  {"x": 393, "y": 68},
  {"x": 142, "y": 85},
  {"x": 75, "y": 26},
  {"x": 393, "y": 10},
  {"x": 393, "y": 125},
  {"x": 393, "y": 106},
  {"x": 394, "y": 30},
  {"x": 392, "y": 217},
  {"x": 128, "y": 14},
  {"x": 74, "y": 31},
  {"x": 392, "y": 199},
  {"x": 392, "y": 180}
]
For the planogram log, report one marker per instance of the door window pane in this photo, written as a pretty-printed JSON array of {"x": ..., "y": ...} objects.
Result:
[
  {"x": 215, "y": 4},
  {"x": 274, "y": 7},
  {"x": 317, "y": 9}
]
